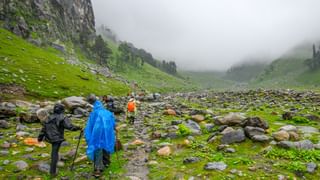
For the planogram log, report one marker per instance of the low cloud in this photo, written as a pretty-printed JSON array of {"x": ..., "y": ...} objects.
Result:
[{"x": 211, "y": 34}]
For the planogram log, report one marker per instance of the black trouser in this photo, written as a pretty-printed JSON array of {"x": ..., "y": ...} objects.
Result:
[
  {"x": 54, "y": 157},
  {"x": 101, "y": 159},
  {"x": 106, "y": 158}
]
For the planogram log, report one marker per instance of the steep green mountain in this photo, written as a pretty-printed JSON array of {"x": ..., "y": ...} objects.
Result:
[
  {"x": 138, "y": 66},
  {"x": 44, "y": 72},
  {"x": 57, "y": 53},
  {"x": 290, "y": 70}
]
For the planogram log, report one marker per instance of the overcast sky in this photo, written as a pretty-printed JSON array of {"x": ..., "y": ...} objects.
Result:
[{"x": 211, "y": 34}]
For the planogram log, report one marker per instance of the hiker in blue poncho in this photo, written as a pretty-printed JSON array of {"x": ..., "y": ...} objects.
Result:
[{"x": 100, "y": 135}]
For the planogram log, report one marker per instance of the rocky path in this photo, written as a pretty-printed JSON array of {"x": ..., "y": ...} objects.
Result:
[{"x": 138, "y": 157}]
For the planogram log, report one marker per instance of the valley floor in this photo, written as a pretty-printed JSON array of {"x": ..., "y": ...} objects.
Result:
[{"x": 263, "y": 134}]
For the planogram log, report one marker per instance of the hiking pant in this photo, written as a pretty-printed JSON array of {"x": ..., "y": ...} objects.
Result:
[
  {"x": 101, "y": 159},
  {"x": 54, "y": 157},
  {"x": 131, "y": 117}
]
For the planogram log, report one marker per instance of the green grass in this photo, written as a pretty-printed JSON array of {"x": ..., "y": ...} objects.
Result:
[
  {"x": 289, "y": 71},
  {"x": 115, "y": 170},
  {"x": 153, "y": 79},
  {"x": 44, "y": 73},
  {"x": 208, "y": 79}
]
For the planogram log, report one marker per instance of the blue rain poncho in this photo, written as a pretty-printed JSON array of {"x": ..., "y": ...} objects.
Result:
[{"x": 99, "y": 131}]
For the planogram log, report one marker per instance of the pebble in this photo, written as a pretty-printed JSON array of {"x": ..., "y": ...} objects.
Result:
[
  {"x": 6, "y": 162},
  {"x": 21, "y": 165},
  {"x": 215, "y": 166},
  {"x": 4, "y": 152}
]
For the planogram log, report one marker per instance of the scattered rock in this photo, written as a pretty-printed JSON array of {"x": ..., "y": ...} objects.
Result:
[
  {"x": 65, "y": 143},
  {"x": 227, "y": 130},
  {"x": 307, "y": 130},
  {"x": 215, "y": 166},
  {"x": 8, "y": 109},
  {"x": 252, "y": 168},
  {"x": 255, "y": 122},
  {"x": 61, "y": 164},
  {"x": 293, "y": 136},
  {"x": 21, "y": 127},
  {"x": 222, "y": 147},
  {"x": 42, "y": 114},
  {"x": 281, "y": 135},
  {"x": 21, "y": 165},
  {"x": 304, "y": 144},
  {"x": 287, "y": 115},
  {"x": 80, "y": 112},
  {"x": 191, "y": 160},
  {"x": 231, "y": 119},
  {"x": 137, "y": 142},
  {"x": 22, "y": 134},
  {"x": 4, "y": 152},
  {"x": 165, "y": 151},
  {"x": 4, "y": 124},
  {"x": 176, "y": 122},
  {"x": 311, "y": 167},
  {"x": 209, "y": 127},
  {"x": 232, "y": 137},
  {"x": 170, "y": 112},
  {"x": 260, "y": 138},
  {"x": 153, "y": 163},
  {"x": 230, "y": 150},
  {"x": 156, "y": 135},
  {"x": 80, "y": 159},
  {"x": 29, "y": 149},
  {"x": 198, "y": 118},
  {"x": 289, "y": 128},
  {"x": 5, "y": 145},
  {"x": 312, "y": 117},
  {"x": 44, "y": 167},
  {"x": 252, "y": 131},
  {"x": 6, "y": 162},
  {"x": 44, "y": 155},
  {"x": 194, "y": 127},
  {"x": 73, "y": 102}
]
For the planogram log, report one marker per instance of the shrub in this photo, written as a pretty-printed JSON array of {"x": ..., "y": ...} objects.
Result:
[{"x": 183, "y": 130}]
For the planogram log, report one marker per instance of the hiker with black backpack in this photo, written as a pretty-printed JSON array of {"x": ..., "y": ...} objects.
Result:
[{"x": 53, "y": 132}]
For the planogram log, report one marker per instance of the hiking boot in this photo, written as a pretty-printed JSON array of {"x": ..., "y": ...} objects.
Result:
[{"x": 97, "y": 173}]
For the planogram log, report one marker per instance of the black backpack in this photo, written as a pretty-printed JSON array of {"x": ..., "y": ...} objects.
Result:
[{"x": 52, "y": 128}]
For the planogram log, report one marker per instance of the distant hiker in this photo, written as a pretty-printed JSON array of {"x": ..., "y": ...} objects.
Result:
[
  {"x": 110, "y": 105},
  {"x": 131, "y": 110},
  {"x": 100, "y": 135},
  {"x": 53, "y": 132}
]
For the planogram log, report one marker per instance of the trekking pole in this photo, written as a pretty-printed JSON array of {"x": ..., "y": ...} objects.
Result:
[
  {"x": 75, "y": 155},
  {"x": 117, "y": 149}
]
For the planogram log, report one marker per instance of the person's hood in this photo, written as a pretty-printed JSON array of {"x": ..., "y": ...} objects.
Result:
[
  {"x": 58, "y": 109},
  {"x": 97, "y": 105}
]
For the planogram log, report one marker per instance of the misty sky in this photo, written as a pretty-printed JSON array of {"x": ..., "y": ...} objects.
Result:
[{"x": 211, "y": 34}]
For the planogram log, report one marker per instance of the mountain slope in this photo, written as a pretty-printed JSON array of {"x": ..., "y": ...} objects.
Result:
[
  {"x": 43, "y": 72},
  {"x": 208, "y": 79},
  {"x": 289, "y": 70}
]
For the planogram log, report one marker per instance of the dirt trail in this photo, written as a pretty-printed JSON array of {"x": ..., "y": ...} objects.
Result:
[{"x": 138, "y": 157}]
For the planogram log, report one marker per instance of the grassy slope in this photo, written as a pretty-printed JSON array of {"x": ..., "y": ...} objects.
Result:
[
  {"x": 207, "y": 80},
  {"x": 43, "y": 73},
  {"x": 149, "y": 77},
  {"x": 289, "y": 71},
  {"x": 155, "y": 80}
]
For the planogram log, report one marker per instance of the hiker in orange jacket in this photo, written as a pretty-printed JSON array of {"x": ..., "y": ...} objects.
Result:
[{"x": 131, "y": 110}]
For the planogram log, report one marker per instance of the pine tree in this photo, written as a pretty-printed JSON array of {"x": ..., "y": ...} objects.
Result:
[{"x": 101, "y": 49}]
